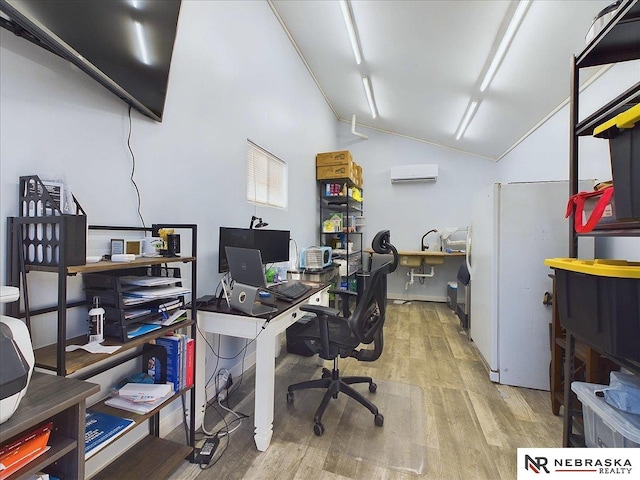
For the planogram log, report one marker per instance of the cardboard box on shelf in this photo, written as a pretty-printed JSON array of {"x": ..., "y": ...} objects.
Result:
[
  {"x": 333, "y": 158},
  {"x": 342, "y": 170}
]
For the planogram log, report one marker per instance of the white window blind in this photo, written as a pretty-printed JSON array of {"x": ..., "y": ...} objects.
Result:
[{"x": 266, "y": 177}]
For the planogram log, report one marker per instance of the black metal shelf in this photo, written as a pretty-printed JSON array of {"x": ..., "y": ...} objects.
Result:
[
  {"x": 617, "y": 42},
  {"x": 616, "y": 106}
]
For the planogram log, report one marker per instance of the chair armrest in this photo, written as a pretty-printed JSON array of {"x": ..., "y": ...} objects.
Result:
[
  {"x": 320, "y": 310},
  {"x": 345, "y": 295},
  {"x": 322, "y": 315}
]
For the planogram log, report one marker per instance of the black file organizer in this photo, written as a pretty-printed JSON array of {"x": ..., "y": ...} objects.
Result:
[
  {"x": 49, "y": 237},
  {"x": 110, "y": 289}
]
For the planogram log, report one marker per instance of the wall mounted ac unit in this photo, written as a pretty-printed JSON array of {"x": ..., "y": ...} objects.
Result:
[{"x": 426, "y": 172}]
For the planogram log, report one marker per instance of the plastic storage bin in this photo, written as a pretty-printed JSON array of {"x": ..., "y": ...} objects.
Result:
[
  {"x": 598, "y": 301},
  {"x": 604, "y": 425},
  {"x": 452, "y": 294},
  {"x": 623, "y": 132}
]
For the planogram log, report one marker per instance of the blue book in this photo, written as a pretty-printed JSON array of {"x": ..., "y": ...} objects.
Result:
[
  {"x": 172, "y": 344},
  {"x": 101, "y": 429}
]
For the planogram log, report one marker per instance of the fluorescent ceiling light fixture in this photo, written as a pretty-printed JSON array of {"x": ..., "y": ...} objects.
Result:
[
  {"x": 366, "y": 81},
  {"x": 351, "y": 28},
  {"x": 471, "y": 109},
  {"x": 144, "y": 52},
  {"x": 516, "y": 20}
]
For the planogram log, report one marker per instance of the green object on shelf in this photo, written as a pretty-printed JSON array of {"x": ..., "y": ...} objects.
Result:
[{"x": 271, "y": 273}]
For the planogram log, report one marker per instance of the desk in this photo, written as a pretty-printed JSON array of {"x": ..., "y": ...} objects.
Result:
[{"x": 225, "y": 321}]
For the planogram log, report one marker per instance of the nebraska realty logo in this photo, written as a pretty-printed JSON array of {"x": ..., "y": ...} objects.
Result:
[{"x": 581, "y": 463}]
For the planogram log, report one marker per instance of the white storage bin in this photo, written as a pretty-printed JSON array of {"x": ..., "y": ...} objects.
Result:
[{"x": 605, "y": 426}]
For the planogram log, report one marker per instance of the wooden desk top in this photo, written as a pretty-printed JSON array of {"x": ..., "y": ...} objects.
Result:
[
  {"x": 425, "y": 253},
  {"x": 281, "y": 305}
]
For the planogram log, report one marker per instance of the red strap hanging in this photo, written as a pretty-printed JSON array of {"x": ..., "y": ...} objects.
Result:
[{"x": 578, "y": 200}]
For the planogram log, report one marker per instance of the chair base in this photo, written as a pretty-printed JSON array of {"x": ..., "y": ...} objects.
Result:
[{"x": 334, "y": 384}]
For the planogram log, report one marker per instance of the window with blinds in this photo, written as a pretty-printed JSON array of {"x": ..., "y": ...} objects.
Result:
[{"x": 266, "y": 177}]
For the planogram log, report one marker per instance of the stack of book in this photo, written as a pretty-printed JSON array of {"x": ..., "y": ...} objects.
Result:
[{"x": 180, "y": 360}]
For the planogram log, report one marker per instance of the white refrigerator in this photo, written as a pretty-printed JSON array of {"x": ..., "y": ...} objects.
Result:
[{"x": 514, "y": 227}]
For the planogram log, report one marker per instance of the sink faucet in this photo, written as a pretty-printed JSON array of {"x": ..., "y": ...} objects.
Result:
[{"x": 425, "y": 246}]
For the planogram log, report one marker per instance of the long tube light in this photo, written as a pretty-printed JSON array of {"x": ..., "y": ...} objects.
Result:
[
  {"x": 144, "y": 52},
  {"x": 366, "y": 81},
  {"x": 517, "y": 18},
  {"x": 471, "y": 109},
  {"x": 351, "y": 28}
]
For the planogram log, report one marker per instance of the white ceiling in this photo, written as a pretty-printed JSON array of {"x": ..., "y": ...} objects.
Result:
[{"x": 425, "y": 60}]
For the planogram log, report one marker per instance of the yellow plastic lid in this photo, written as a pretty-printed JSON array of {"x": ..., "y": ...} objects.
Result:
[
  {"x": 626, "y": 119},
  {"x": 601, "y": 267}
]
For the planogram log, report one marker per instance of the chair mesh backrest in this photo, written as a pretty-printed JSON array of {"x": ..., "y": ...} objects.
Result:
[{"x": 367, "y": 320}]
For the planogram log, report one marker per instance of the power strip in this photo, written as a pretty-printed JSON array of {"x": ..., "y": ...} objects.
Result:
[{"x": 208, "y": 449}]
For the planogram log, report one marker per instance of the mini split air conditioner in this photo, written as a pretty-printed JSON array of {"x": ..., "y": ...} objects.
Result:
[{"x": 426, "y": 172}]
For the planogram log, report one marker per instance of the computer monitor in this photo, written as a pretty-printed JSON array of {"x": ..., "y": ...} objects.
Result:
[
  {"x": 245, "y": 265},
  {"x": 273, "y": 244}
]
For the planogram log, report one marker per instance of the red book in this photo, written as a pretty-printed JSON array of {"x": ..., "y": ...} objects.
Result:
[{"x": 190, "y": 361}]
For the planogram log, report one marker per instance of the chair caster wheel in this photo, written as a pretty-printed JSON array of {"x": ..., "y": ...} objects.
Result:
[
  {"x": 378, "y": 420},
  {"x": 373, "y": 387},
  {"x": 318, "y": 429},
  {"x": 289, "y": 397}
]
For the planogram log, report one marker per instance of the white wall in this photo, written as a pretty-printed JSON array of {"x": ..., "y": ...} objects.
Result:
[
  {"x": 234, "y": 76},
  {"x": 410, "y": 210},
  {"x": 545, "y": 154}
]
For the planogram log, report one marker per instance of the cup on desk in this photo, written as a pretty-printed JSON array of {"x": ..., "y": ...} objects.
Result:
[{"x": 151, "y": 246}]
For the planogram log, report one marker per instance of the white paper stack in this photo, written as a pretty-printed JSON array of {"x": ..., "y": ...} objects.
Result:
[{"x": 140, "y": 397}]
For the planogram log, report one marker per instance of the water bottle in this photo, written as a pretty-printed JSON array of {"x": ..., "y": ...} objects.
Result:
[{"x": 96, "y": 322}]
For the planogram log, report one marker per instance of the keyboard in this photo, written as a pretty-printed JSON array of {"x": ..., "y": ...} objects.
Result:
[{"x": 290, "y": 290}]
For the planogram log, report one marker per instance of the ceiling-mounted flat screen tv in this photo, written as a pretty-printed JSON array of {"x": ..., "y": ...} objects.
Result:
[{"x": 126, "y": 45}]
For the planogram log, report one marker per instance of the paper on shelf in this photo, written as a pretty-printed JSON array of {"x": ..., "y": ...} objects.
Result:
[
  {"x": 169, "y": 319},
  {"x": 145, "y": 392},
  {"x": 158, "y": 292},
  {"x": 149, "y": 281},
  {"x": 136, "y": 407},
  {"x": 142, "y": 329},
  {"x": 93, "y": 347}
]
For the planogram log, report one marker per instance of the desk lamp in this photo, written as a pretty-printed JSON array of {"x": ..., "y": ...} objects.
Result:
[{"x": 260, "y": 223}]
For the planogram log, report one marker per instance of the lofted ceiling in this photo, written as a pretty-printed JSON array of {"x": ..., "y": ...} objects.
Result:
[{"x": 426, "y": 60}]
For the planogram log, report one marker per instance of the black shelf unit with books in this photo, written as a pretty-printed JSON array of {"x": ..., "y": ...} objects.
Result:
[
  {"x": 618, "y": 41},
  {"x": 83, "y": 365},
  {"x": 350, "y": 210}
]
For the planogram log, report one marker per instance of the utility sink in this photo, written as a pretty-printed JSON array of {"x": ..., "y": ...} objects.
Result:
[
  {"x": 417, "y": 258},
  {"x": 410, "y": 260}
]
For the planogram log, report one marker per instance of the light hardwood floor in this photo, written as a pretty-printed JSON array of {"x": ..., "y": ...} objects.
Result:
[{"x": 472, "y": 425}]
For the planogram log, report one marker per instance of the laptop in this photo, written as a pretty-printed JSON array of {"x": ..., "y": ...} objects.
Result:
[{"x": 245, "y": 265}]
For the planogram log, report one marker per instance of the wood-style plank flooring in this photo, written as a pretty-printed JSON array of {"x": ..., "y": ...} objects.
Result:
[{"x": 472, "y": 426}]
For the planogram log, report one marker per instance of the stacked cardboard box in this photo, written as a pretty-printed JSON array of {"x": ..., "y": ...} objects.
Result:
[{"x": 338, "y": 165}]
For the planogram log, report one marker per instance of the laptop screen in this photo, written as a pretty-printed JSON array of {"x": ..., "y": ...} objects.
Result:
[{"x": 245, "y": 265}]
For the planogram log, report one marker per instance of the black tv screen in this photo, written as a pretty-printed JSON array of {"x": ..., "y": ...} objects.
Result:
[
  {"x": 273, "y": 244},
  {"x": 126, "y": 45}
]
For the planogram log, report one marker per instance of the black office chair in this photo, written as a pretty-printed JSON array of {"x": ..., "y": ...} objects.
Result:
[{"x": 338, "y": 333}]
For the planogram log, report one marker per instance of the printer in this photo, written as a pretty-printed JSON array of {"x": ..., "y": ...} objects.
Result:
[{"x": 16, "y": 358}]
